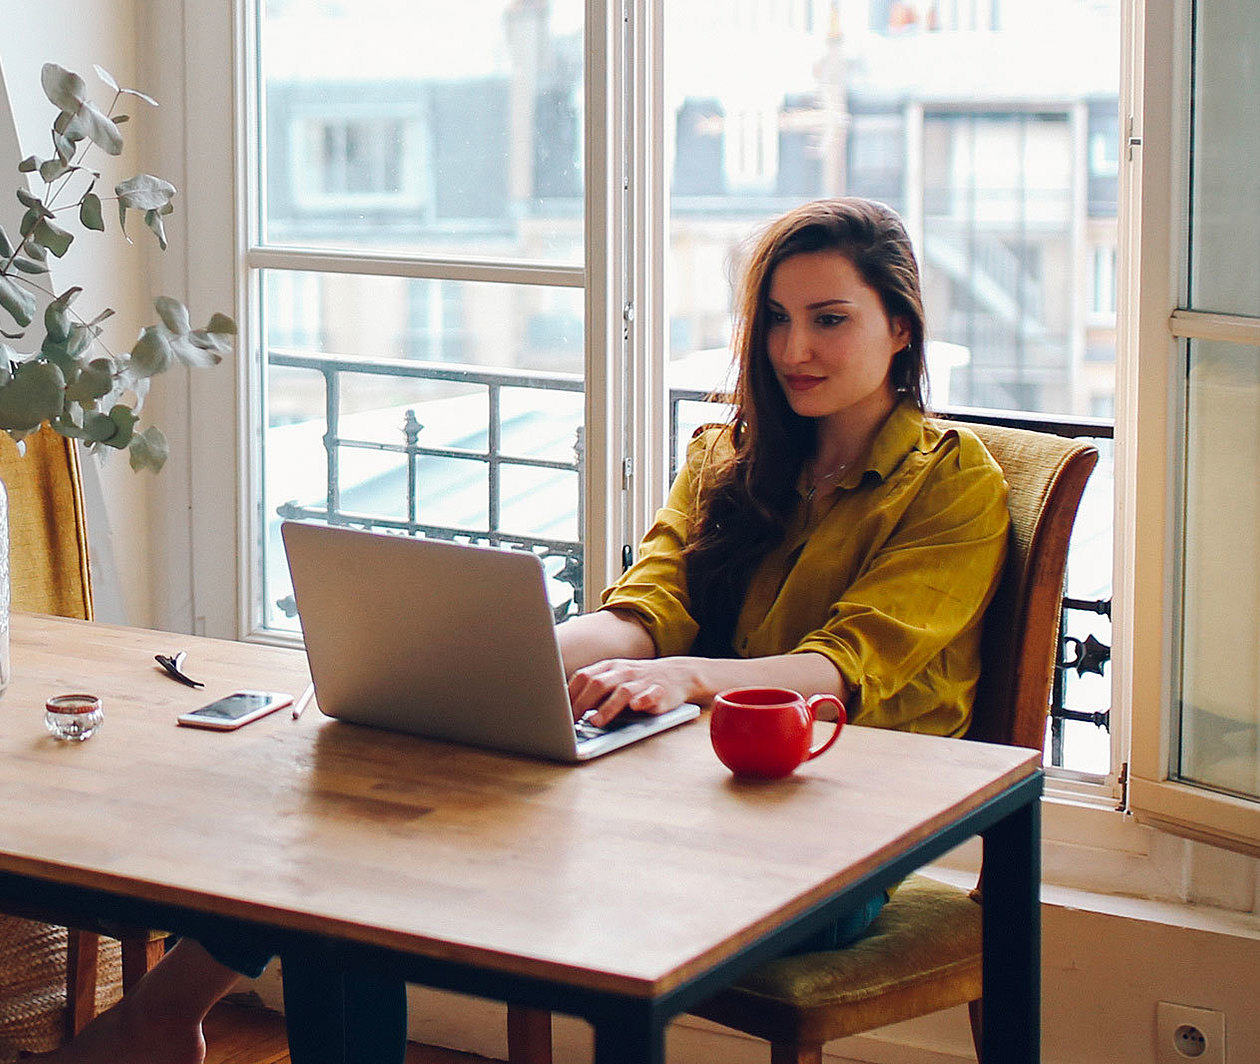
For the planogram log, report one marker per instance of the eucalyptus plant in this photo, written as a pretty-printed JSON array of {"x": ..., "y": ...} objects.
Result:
[{"x": 74, "y": 382}]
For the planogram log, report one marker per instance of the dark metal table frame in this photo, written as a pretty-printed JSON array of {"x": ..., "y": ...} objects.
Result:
[{"x": 631, "y": 1029}]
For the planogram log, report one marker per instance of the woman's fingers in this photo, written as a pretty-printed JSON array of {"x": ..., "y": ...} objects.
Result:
[
  {"x": 608, "y": 687},
  {"x": 589, "y": 688}
]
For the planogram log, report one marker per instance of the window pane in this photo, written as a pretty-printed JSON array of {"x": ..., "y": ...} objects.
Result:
[
  {"x": 1012, "y": 205},
  {"x": 1220, "y": 683},
  {"x": 441, "y": 408},
  {"x": 423, "y": 126},
  {"x": 1225, "y": 225}
]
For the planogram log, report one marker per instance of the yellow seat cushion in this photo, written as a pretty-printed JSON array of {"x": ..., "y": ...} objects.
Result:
[
  {"x": 48, "y": 552},
  {"x": 923, "y": 953}
]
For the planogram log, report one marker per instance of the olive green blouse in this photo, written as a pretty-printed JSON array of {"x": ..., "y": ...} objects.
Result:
[{"x": 888, "y": 577}]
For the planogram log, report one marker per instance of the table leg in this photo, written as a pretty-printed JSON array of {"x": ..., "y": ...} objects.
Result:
[
  {"x": 1012, "y": 938},
  {"x": 634, "y": 1039}
]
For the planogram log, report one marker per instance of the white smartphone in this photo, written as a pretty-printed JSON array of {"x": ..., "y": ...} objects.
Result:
[{"x": 236, "y": 710}]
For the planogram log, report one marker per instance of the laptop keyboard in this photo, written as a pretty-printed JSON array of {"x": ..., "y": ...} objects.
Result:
[{"x": 585, "y": 730}]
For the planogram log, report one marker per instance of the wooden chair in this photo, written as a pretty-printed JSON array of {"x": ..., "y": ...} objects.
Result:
[
  {"x": 48, "y": 565},
  {"x": 923, "y": 952}
]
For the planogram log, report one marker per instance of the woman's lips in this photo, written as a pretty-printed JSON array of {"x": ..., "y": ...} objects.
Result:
[{"x": 802, "y": 383}]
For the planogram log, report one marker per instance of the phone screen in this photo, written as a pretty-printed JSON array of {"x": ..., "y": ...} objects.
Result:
[{"x": 234, "y": 707}]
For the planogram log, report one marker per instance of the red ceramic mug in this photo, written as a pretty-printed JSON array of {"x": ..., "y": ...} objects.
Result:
[{"x": 765, "y": 732}]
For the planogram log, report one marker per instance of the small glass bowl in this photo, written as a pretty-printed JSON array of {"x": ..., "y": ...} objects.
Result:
[{"x": 73, "y": 718}]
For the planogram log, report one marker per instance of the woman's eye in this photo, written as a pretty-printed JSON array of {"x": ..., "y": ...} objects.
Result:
[
  {"x": 776, "y": 317},
  {"x": 831, "y": 319}
]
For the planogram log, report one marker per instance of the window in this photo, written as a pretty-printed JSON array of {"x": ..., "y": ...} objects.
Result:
[
  {"x": 340, "y": 161},
  {"x": 485, "y": 273},
  {"x": 1196, "y": 761},
  {"x": 443, "y": 393}
]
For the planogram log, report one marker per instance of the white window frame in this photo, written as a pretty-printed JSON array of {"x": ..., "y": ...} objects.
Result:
[
  {"x": 1155, "y": 419},
  {"x": 204, "y": 521}
]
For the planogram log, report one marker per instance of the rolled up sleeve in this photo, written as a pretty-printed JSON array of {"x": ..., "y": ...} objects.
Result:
[{"x": 654, "y": 589}]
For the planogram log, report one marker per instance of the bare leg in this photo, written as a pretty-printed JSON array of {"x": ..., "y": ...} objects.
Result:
[{"x": 159, "y": 1021}]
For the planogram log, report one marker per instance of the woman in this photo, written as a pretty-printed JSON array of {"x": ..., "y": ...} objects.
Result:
[{"x": 830, "y": 539}]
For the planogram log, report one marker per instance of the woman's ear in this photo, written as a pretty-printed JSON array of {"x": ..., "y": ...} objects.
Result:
[{"x": 900, "y": 331}]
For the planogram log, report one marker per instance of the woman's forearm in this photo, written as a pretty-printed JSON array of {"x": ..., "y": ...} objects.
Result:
[
  {"x": 808, "y": 674},
  {"x": 601, "y": 635}
]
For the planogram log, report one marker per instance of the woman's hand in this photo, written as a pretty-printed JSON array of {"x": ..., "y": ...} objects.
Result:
[{"x": 653, "y": 685}]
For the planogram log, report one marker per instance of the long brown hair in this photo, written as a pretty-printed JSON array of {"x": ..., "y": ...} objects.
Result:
[{"x": 745, "y": 503}]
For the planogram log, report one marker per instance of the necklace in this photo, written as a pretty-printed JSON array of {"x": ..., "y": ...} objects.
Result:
[{"x": 815, "y": 480}]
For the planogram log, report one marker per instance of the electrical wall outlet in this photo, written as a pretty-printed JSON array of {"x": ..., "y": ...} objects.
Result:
[{"x": 1188, "y": 1035}]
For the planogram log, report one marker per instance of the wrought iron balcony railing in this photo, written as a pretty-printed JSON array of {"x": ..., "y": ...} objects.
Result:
[{"x": 1088, "y": 654}]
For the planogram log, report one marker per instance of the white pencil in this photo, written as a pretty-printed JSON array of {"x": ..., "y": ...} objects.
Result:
[{"x": 303, "y": 700}]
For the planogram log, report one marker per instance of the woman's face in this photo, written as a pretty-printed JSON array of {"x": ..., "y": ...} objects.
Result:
[{"x": 830, "y": 343}]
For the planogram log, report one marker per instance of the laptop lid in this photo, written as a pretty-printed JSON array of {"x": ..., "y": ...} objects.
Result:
[{"x": 438, "y": 639}]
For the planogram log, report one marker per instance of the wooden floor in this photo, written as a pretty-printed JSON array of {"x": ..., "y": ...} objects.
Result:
[{"x": 237, "y": 1034}]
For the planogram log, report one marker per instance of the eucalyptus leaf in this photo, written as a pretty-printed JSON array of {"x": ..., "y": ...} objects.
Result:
[
  {"x": 28, "y": 165},
  {"x": 221, "y": 325},
  {"x": 149, "y": 450},
  {"x": 57, "y": 318},
  {"x": 53, "y": 237},
  {"x": 64, "y": 88},
  {"x": 125, "y": 419},
  {"x": 140, "y": 96},
  {"x": 106, "y": 77},
  {"x": 35, "y": 394},
  {"x": 114, "y": 429},
  {"x": 108, "y": 312},
  {"x": 196, "y": 349},
  {"x": 29, "y": 265},
  {"x": 17, "y": 301},
  {"x": 152, "y": 352},
  {"x": 144, "y": 192},
  {"x": 57, "y": 352},
  {"x": 63, "y": 146},
  {"x": 68, "y": 296},
  {"x": 90, "y": 212},
  {"x": 67, "y": 426},
  {"x": 56, "y": 323},
  {"x": 33, "y": 202},
  {"x": 5, "y": 247},
  {"x": 93, "y": 381},
  {"x": 120, "y": 119},
  {"x": 80, "y": 339},
  {"x": 35, "y": 251},
  {"x": 173, "y": 313},
  {"x": 28, "y": 223},
  {"x": 51, "y": 169},
  {"x": 97, "y": 127},
  {"x": 153, "y": 219}
]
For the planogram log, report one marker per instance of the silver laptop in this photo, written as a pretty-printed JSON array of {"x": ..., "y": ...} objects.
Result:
[{"x": 442, "y": 640}]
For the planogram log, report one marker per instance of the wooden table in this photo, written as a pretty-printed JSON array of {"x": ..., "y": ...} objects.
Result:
[{"x": 623, "y": 890}]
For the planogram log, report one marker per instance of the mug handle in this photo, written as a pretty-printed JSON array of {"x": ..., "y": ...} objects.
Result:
[{"x": 841, "y": 718}]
